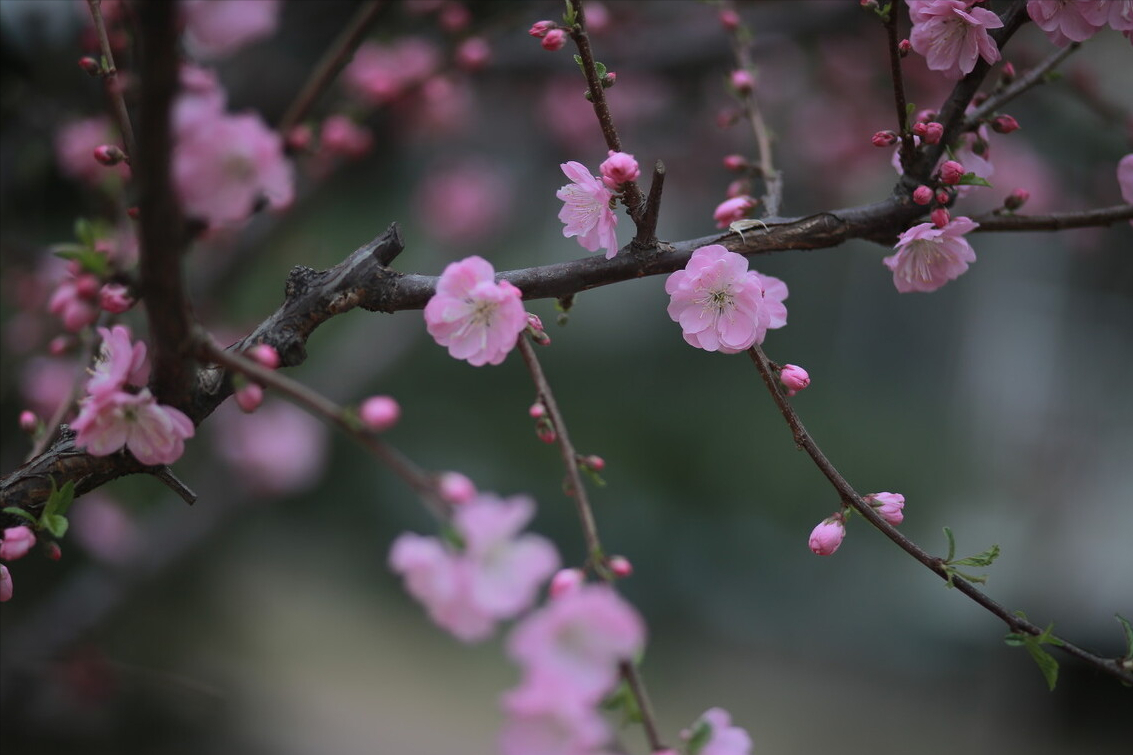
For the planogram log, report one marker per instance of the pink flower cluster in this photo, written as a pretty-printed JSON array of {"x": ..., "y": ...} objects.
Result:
[
  {"x": 216, "y": 28},
  {"x": 929, "y": 256},
  {"x": 111, "y": 417},
  {"x": 569, "y": 651},
  {"x": 829, "y": 533},
  {"x": 721, "y": 305},
  {"x": 952, "y": 35},
  {"x": 477, "y": 318},
  {"x": 1066, "y": 21},
  {"x": 493, "y": 575},
  {"x": 378, "y": 74},
  {"x": 586, "y": 210}
]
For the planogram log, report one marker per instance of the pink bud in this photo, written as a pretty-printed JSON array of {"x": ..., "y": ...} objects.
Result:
[
  {"x": 545, "y": 430},
  {"x": 933, "y": 132},
  {"x": 884, "y": 139},
  {"x": 554, "y": 40},
  {"x": 29, "y": 423},
  {"x": 610, "y": 80},
  {"x": 951, "y": 172},
  {"x": 565, "y": 582},
  {"x": 1016, "y": 199},
  {"x": 380, "y": 413},
  {"x": 300, "y": 137},
  {"x": 5, "y": 584},
  {"x": 735, "y": 162},
  {"x": 922, "y": 194},
  {"x": 456, "y": 488},
  {"x": 17, "y": 542},
  {"x": 87, "y": 286},
  {"x": 620, "y": 566},
  {"x": 1007, "y": 73},
  {"x": 90, "y": 65},
  {"x": 793, "y": 378},
  {"x": 924, "y": 116},
  {"x": 828, "y": 535},
  {"x": 115, "y": 298},
  {"x": 249, "y": 397},
  {"x": 52, "y": 550},
  {"x": 540, "y": 28},
  {"x": 940, "y": 217},
  {"x": 1004, "y": 124},
  {"x": 593, "y": 462},
  {"x": 904, "y": 47},
  {"x": 265, "y": 355},
  {"x": 741, "y": 187},
  {"x": 619, "y": 168},
  {"x": 537, "y": 410},
  {"x": 889, "y": 505},
  {"x": 473, "y": 54},
  {"x": 729, "y": 19},
  {"x": 943, "y": 197},
  {"x": 108, "y": 154},
  {"x": 742, "y": 81},
  {"x": 454, "y": 17},
  {"x": 60, "y": 345}
]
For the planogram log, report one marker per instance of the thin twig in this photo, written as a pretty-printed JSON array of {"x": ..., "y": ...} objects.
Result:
[
  {"x": 112, "y": 83},
  {"x": 908, "y": 146},
  {"x": 851, "y": 498},
  {"x": 51, "y": 427},
  {"x": 1031, "y": 78},
  {"x": 1055, "y": 221},
  {"x": 332, "y": 62},
  {"x": 629, "y": 671}
]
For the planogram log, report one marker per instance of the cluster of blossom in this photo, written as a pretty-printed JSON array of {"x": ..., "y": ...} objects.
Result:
[
  {"x": 1066, "y": 21},
  {"x": 117, "y": 414},
  {"x": 16, "y": 542},
  {"x": 829, "y": 533}
]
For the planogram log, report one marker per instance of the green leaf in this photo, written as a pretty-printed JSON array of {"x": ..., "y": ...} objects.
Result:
[
  {"x": 85, "y": 232},
  {"x": 15, "y": 511},
  {"x": 60, "y": 499},
  {"x": 987, "y": 558},
  {"x": 701, "y": 733},
  {"x": 971, "y": 179},
  {"x": 910, "y": 111},
  {"x": 569, "y": 16},
  {"x": 951, "y": 544},
  {"x": 1125, "y": 625},
  {"x": 56, "y": 524},
  {"x": 90, "y": 260},
  {"x": 1046, "y": 662},
  {"x": 600, "y": 69}
]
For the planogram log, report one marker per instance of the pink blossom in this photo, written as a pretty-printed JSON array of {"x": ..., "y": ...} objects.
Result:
[
  {"x": 586, "y": 210},
  {"x": 1118, "y": 14},
  {"x": 279, "y": 449},
  {"x": 477, "y": 318},
  {"x": 16, "y": 543},
  {"x": 379, "y": 73},
  {"x": 380, "y": 413},
  {"x": 793, "y": 378},
  {"x": 951, "y": 35},
  {"x": 115, "y": 298},
  {"x": 473, "y": 54},
  {"x": 618, "y": 169},
  {"x": 574, "y": 643},
  {"x": 342, "y": 136},
  {"x": 731, "y": 210},
  {"x": 120, "y": 363},
  {"x": 723, "y": 738},
  {"x": 928, "y": 257},
  {"x": 496, "y": 576},
  {"x": 889, "y": 505},
  {"x": 5, "y": 584},
  {"x": 29, "y": 423},
  {"x": 74, "y": 306},
  {"x": 216, "y": 28},
  {"x": 464, "y": 202},
  {"x": 74, "y": 150},
  {"x": 828, "y": 535},
  {"x": 224, "y": 165},
  {"x": 1066, "y": 21},
  {"x": 541, "y": 719},
  {"x": 154, "y": 433},
  {"x": 1004, "y": 124},
  {"x": 105, "y": 529},
  {"x": 735, "y": 162},
  {"x": 721, "y": 305},
  {"x": 540, "y": 28}
]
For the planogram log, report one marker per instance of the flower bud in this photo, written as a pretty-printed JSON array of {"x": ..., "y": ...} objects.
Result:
[
  {"x": 60, "y": 345},
  {"x": 265, "y": 355},
  {"x": 743, "y": 81},
  {"x": 1016, "y": 199},
  {"x": 729, "y": 19},
  {"x": 735, "y": 162},
  {"x": 455, "y": 488},
  {"x": 545, "y": 430},
  {"x": 933, "y": 132},
  {"x": 249, "y": 397},
  {"x": 828, "y": 535},
  {"x": 17, "y": 542},
  {"x": 52, "y": 550},
  {"x": 537, "y": 410},
  {"x": 609, "y": 79},
  {"x": 593, "y": 462},
  {"x": 108, "y": 154},
  {"x": 889, "y": 505},
  {"x": 940, "y": 217},
  {"x": 793, "y": 378},
  {"x": 87, "y": 286},
  {"x": 922, "y": 195},
  {"x": 554, "y": 40},
  {"x": 1004, "y": 124},
  {"x": 884, "y": 139},
  {"x": 943, "y": 197},
  {"x": 951, "y": 172},
  {"x": 904, "y": 47},
  {"x": 29, "y": 423},
  {"x": 540, "y": 28},
  {"x": 620, "y": 566},
  {"x": 115, "y": 298},
  {"x": 90, "y": 65},
  {"x": 565, "y": 582},
  {"x": 617, "y": 169},
  {"x": 299, "y": 138},
  {"x": 380, "y": 413},
  {"x": 1007, "y": 73}
]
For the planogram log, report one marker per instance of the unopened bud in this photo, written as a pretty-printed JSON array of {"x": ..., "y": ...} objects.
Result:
[
  {"x": 265, "y": 355},
  {"x": 115, "y": 298},
  {"x": 593, "y": 462},
  {"x": 565, "y": 582},
  {"x": 951, "y": 172},
  {"x": 729, "y": 19},
  {"x": 884, "y": 139},
  {"x": 890, "y": 505},
  {"x": 52, "y": 550},
  {"x": 904, "y": 47},
  {"x": 108, "y": 154},
  {"x": 537, "y": 410},
  {"x": 922, "y": 195},
  {"x": 60, "y": 345},
  {"x": 793, "y": 378},
  {"x": 456, "y": 488},
  {"x": 735, "y": 162},
  {"x": 933, "y": 132},
  {"x": 609, "y": 79},
  {"x": 1016, "y": 199},
  {"x": 1004, "y": 124},
  {"x": 90, "y": 65},
  {"x": 940, "y": 217},
  {"x": 29, "y": 423},
  {"x": 554, "y": 40},
  {"x": 299, "y": 138},
  {"x": 540, "y": 28},
  {"x": 828, "y": 535},
  {"x": 943, "y": 197},
  {"x": 545, "y": 430},
  {"x": 380, "y": 413},
  {"x": 249, "y": 397},
  {"x": 1007, "y": 73},
  {"x": 620, "y": 566},
  {"x": 743, "y": 81}
]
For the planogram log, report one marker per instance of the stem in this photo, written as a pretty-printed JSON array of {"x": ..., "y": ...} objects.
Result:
[
  {"x": 1055, "y": 221},
  {"x": 851, "y": 497},
  {"x": 772, "y": 179},
  {"x": 908, "y": 146},
  {"x": 1031, "y": 78},
  {"x": 332, "y": 62},
  {"x": 646, "y": 237},
  {"x": 112, "y": 84}
]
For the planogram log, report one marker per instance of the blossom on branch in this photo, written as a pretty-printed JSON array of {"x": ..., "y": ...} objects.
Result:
[
  {"x": 1066, "y": 21},
  {"x": 718, "y": 737},
  {"x": 154, "y": 433},
  {"x": 828, "y": 535},
  {"x": 586, "y": 210},
  {"x": 951, "y": 35},
  {"x": 120, "y": 363},
  {"x": 721, "y": 305},
  {"x": 477, "y": 318},
  {"x": 928, "y": 257}
]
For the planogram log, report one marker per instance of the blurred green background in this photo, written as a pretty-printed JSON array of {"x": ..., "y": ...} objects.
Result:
[{"x": 268, "y": 622}]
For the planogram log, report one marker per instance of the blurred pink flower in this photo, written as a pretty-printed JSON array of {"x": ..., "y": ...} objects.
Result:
[
  {"x": 104, "y": 529},
  {"x": 928, "y": 257},
  {"x": 721, "y": 305},
  {"x": 380, "y": 413},
  {"x": 75, "y": 301},
  {"x": 378, "y": 73},
  {"x": 5, "y": 584},
  {"x": 544, "y": 720},
  {"x": 1066, "y": 21},
  {"x": 731, "y": 210},
  {"x": 476, "y": 318},
  {"x": 951, "y": 35},
  {"x": 45, "y": 383},
  {"x": 74, "y": 150},
  {"x": 342, "y": 136},
  {"x": 216, "y": 28},
  {"x": 119, "y": 363},
  {"x": 1125, "y": 177},
  {"x": 723, "y": 738},
  {"x": 586, "y": 210},
  {"x": 279, "y": 449},
  {"x": 464, "y": 203},
  {"x": 154, "y": 433}
]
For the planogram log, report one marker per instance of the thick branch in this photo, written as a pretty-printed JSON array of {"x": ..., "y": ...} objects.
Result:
[{"x": 1055, "y": 221}]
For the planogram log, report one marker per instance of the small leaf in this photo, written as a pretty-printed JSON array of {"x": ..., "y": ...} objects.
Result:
[
  {"x": 55, "y": 524},
  {"x": 60, "y": 499},
  {"x": 600, "y": 69},
  {"x": 569, "y": 16},
  {"x": 701, "y": 733},
  {"x": 1125, "y": 625},
  {"x": 951, "y": 544},
  {"x": 987, "y": 558},
  {"x": 15, "y": 511},
  {"x": 971, "y": 179},
  {"x": 1046, "y": 663}
]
